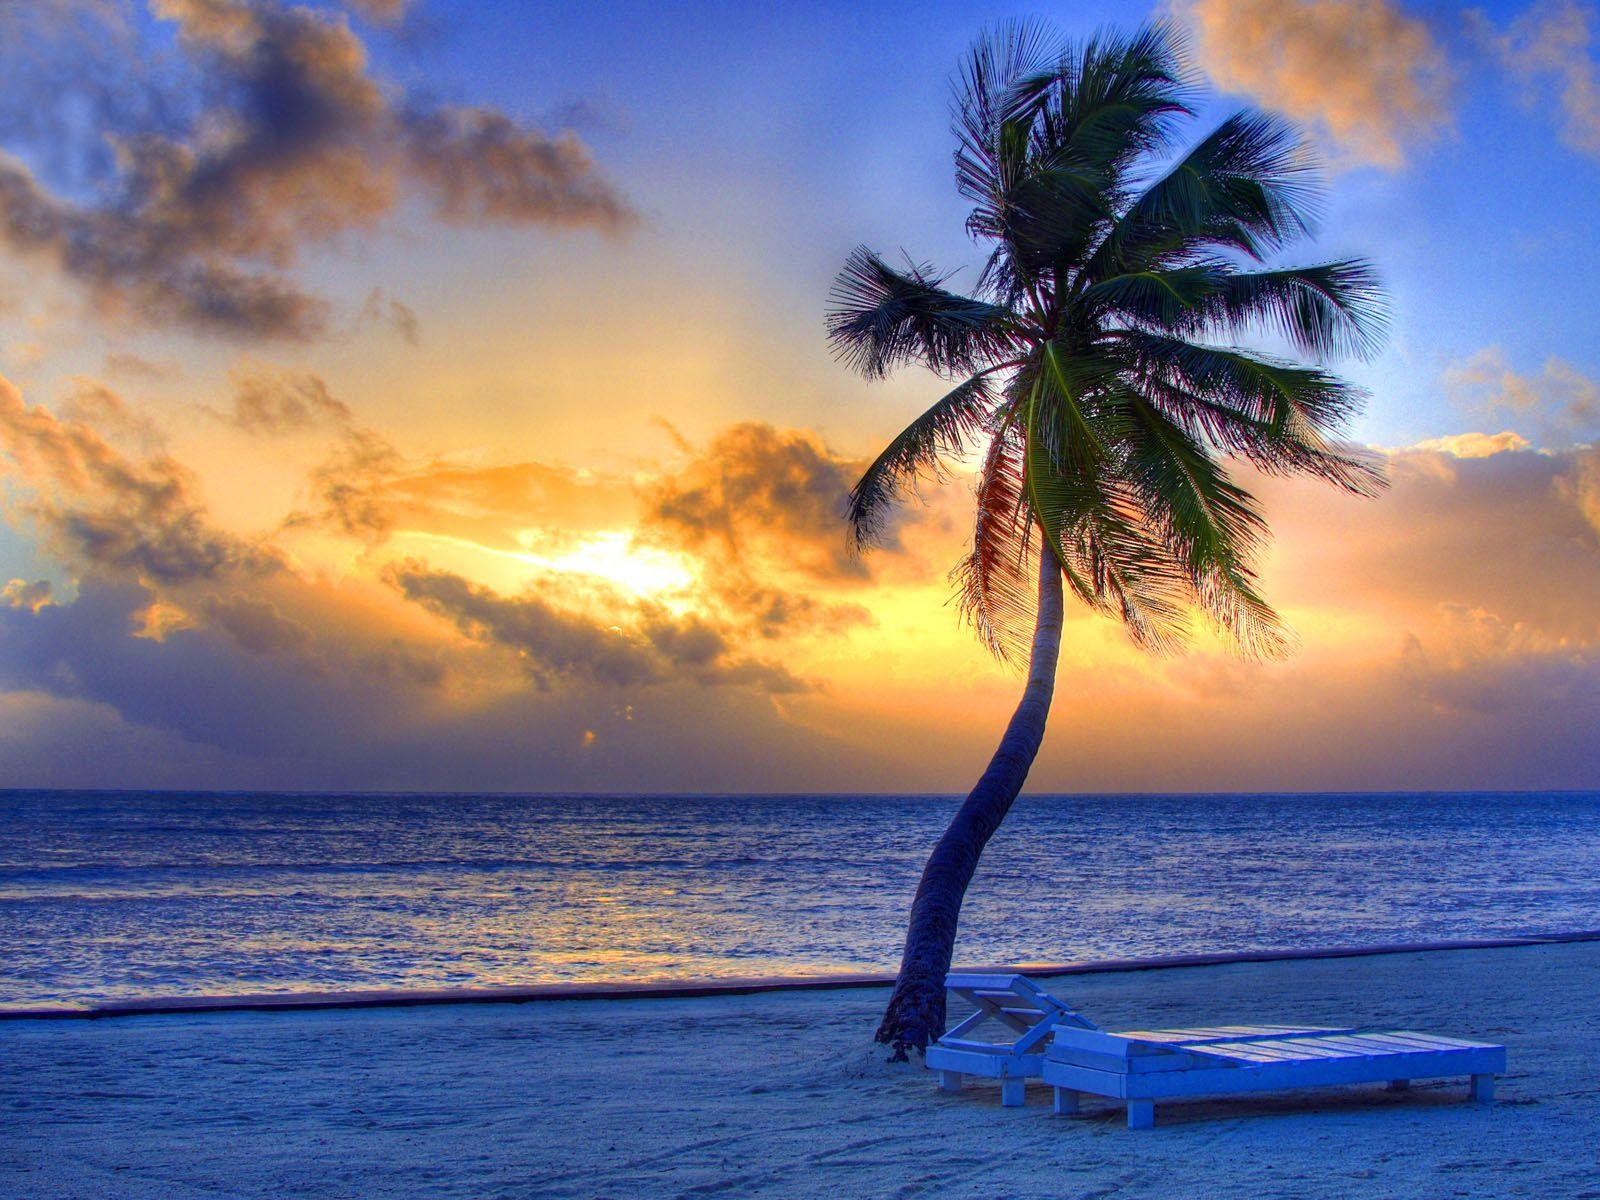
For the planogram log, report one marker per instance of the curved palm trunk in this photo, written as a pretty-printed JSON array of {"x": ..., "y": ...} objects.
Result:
[{"x": 916, "y": 1010}]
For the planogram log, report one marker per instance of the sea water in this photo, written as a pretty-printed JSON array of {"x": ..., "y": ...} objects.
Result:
[{"x": 115, "y": 895}]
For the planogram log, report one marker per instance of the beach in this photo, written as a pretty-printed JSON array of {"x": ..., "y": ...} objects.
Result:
[{"x": 783, "y": 1094}]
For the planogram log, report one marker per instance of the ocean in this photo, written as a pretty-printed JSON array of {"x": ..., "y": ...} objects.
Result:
[{"x": 120, "y": 895}]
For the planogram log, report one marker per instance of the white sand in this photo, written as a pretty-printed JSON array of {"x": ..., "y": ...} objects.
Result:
[{"x": 781, "y": 1095}]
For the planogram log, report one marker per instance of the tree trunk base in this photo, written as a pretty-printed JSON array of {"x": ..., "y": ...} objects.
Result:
[{"x": 914, "y": 1018}]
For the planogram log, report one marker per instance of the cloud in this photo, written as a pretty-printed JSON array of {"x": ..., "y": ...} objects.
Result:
[
  {"x": 1451, "y": 637},
  {"x": 759, "y": 505},
  {"x": 760, "y": 490},
  {"x": 255, "y": 625},
  {"x": 293, "y": 142},
  {"x": 623, "y": 644},
  {"x": 278, "y": 402},
  {"x": 19, "y": 593},
  {"x": 385, "y": 12},
  {"x": 1548, "y": 50},
  {"x": 102, "y": 508},
  {"x": 379, "y": 306},
  {"x": 1559, "y": 399},
  {"x": 485, "y": 169},
  {"x": 119, "y": 362},
  {"x": 1474, "y": 445},
  {"x": 1370, "y": 79},
  {"x": 352, "y": 485}
]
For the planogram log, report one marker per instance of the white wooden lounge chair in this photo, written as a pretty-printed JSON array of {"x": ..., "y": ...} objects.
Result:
[
  {"x": 1144, "y": 1066},
  {"x": 1032, "y": 1014},
  {"x": 1023, "y": 1008}
]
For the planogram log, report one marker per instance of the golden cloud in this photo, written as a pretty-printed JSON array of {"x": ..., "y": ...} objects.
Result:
[{"x": 1370, "y": 79}]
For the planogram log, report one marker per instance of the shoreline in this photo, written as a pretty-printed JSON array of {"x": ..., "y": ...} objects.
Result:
[{"x": 698, "y": 989}]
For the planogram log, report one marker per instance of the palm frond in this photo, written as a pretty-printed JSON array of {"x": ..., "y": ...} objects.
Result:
[
  {"x": 880, "y": 318},
  {"x": 1328, "y": 310},
  {"x": 1210, "y": 525},
  {"x": 945, "y": 429},
  {"x": 986, "y": 97},
  {"x": 1077, "y": 490},
  {"x": 1278, "y": 415},
  {"x": 1170, "y": 298},
  {"x": 1116, "y": 96},
  {"x": 994, "y": 582},
  {"x": 1248, "y": 187}
]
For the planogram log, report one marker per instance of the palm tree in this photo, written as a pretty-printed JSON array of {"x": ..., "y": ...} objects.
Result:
[{"x": 1099, "y": 369}]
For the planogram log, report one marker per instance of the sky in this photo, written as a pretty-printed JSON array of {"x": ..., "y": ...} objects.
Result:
[{"x": 435, "y": 396}]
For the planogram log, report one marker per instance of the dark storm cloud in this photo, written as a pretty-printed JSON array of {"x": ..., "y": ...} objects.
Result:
[
  {"x": 631, "y": 645},
  {"x": 293, "y": 142}
]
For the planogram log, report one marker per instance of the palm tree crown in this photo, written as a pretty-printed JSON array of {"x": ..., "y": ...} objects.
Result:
[{"x": 1098, "y": 358}]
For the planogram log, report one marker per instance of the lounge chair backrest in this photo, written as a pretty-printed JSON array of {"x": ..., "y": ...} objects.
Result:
[{"x": 1016, "y": 1002}]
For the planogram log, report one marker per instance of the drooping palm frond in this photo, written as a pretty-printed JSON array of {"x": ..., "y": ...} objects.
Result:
[
  {"x": 1328, "y": 310},
  {"x": 1210, "y": 525},
  {"x": 1277, "y": 415},
  {"x": 880, "y": 318},
  {"x": 994, "y": 582},
  {"x": 944, "y": 431},
  {"x": 1261, "y": 388},
  {"x": 1079, "y": 492}
]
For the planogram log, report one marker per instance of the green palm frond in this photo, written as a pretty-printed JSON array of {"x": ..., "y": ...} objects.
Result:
[
  {"x": 1247, "y": 187},
  {"x": 1210, "y": 525},
  {"x": 1329, "y": 310},
  {"x": 1278, "y": 415},
  {"x": 994, "y": 582},
  {"x": 945, "y": 430},
  {"x": 880, "y": 318},
  {"x": 1169, "y": 298}
]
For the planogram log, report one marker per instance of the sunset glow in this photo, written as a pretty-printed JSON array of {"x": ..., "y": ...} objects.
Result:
[{"x": 500, "y": 403}]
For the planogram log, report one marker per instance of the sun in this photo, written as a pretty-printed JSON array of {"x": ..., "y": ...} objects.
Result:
[
  {"x": 614, "y": 556},
  {"x": 610, "y": 556}
]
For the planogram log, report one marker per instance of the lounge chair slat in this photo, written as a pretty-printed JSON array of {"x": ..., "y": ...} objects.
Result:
[{"x": 956, "y": 980}]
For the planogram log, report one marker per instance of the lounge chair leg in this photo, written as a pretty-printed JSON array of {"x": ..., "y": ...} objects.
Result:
[
  {"x": 1398, "y": 1085},
  {"x": 1141, "y": 1114},
  {"x": 1066, "y": 1101},
  {"x": 949, "y": 1081},
  {"x": 1013, "y": 1093},
  {"x": 1483, "y": 1089}
]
